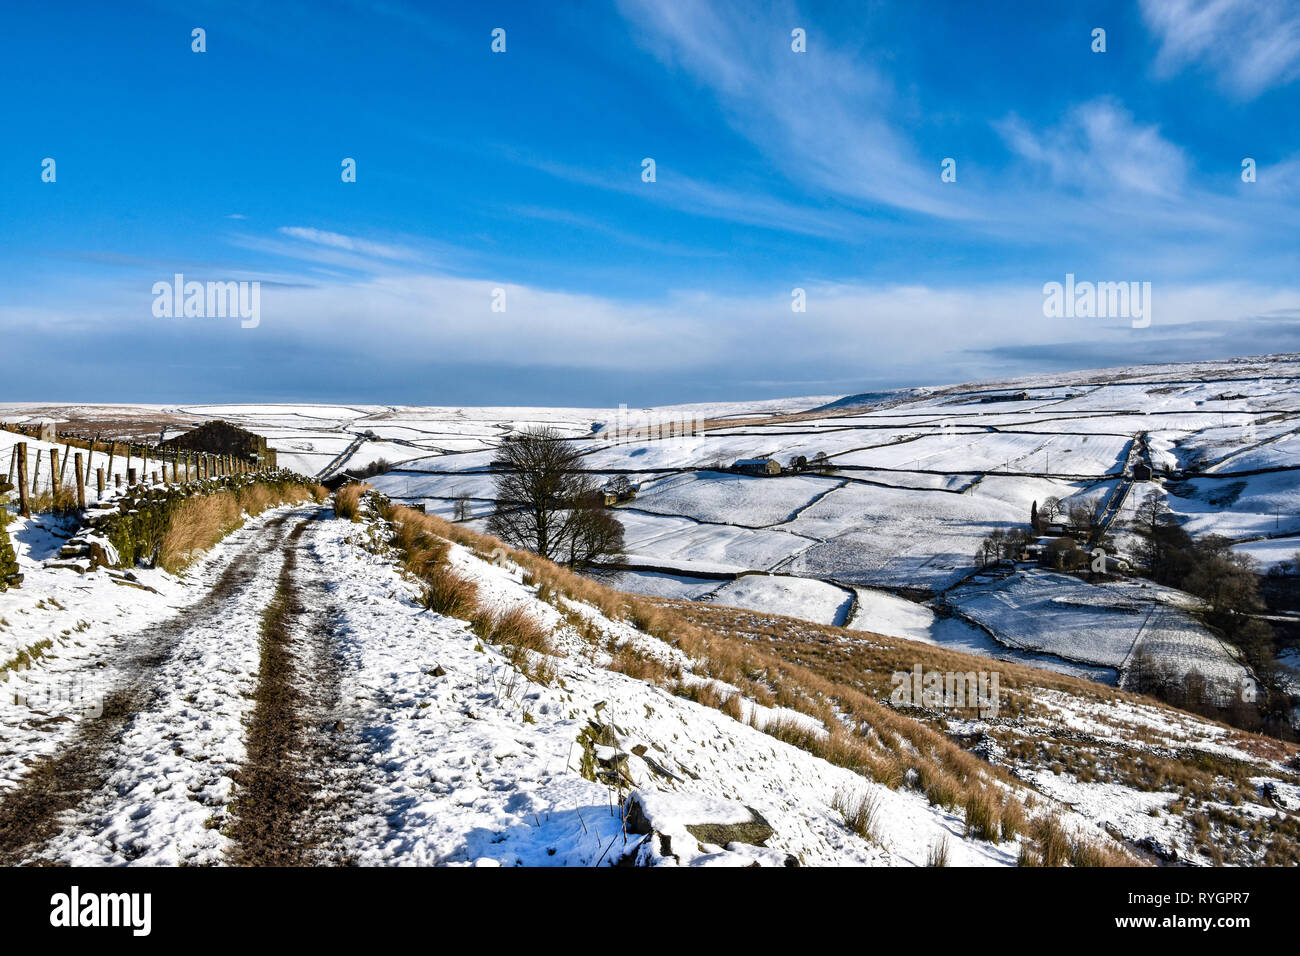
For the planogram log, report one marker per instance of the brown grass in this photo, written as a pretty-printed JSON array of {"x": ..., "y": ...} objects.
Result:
[
  {"x": 450, "y": 593},
  {"x": 201, "y": 521},
  {"x": 938, "y": 855},
  {"x": 347, "y": 500},
  {"x": 516, "y": 629},
  {"x": 859, "y": 811}
]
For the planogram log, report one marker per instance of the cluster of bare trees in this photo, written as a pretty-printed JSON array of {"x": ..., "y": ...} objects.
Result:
[
  {"x": 1079, "y": 516},
  {"x": 1228, "y": 582},
  {"x": 546, "y": 502}
]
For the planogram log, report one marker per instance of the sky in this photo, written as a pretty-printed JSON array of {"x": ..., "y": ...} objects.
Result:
[{"x": 504, "y": 243}]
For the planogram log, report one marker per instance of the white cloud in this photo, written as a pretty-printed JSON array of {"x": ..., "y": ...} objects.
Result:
[
  {"x": 1098, "y": 146},
  {"x": 394, "y": 318},
  {"x": 1253, "y": 45}
]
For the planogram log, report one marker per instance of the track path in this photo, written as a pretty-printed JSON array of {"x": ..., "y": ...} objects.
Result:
[{"x": 151, "y": 779}]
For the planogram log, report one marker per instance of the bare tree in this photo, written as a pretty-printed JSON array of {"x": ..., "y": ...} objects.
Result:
[
  {"x": 547, "y": 503},
  {"x": 460, "y": 510},
  {"x": 596, "y": 534},
  {"x": 621, "y": 487}
]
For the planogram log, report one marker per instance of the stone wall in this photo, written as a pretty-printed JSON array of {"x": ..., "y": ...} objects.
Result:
[{"x": 129, "y": 530}]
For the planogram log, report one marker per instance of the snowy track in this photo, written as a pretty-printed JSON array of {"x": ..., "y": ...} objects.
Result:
[{"x": 146, "y": 781}]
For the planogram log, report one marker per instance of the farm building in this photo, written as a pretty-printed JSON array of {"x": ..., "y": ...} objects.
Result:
[
  {"x": 1141, "y": 472},
  {"x": 222, "y": 438},
  {"x": 757, "y": 466}
]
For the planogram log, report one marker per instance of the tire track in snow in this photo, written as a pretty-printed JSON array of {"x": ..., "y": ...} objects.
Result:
[
  {"x": 273, "y": 796},
  {"x": 70, "y": 797},
  {"x": 301, "y": 797}
]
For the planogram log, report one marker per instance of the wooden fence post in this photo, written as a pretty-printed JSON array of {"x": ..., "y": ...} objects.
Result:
[
  {"x": 55, "y": 478},
  {"x": 24, "y": 506},
  {"x": 117, "y": 479},
  {"x": 81, "y": 484},
  {"x": 130, "y": 477},
  {"x": 90, "y": 459},
  {"x": 99, "y": 483}
]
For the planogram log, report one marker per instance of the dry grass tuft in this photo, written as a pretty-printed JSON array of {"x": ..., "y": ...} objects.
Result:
[
  {"x": 859, "y": 811},
  {"x": 938, "y": 855},
  {"x": 449, "y": 592},
  {"x": 347, "y": 500},
  {"x": 515, "y": 629}
]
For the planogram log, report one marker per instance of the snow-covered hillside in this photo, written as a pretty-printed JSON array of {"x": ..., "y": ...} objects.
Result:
[
  {"x": 443, "y": 751},
  {"x": 417, "y": 738},
  {"x": 912, "y": 482}
]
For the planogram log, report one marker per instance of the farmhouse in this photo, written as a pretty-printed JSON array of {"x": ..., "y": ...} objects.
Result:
[
  {"x": 222, "y": 438},
  {"x": 1006, "y": 397},
  {"x": 757, "y": 466}
]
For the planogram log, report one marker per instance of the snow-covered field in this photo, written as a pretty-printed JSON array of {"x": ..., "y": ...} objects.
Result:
[{"x": 1097, "y": 624}]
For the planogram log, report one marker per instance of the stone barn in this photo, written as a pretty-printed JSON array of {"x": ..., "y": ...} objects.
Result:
[
  {"x": 223, "y": 438},
  {"x": 757, "y": 466}
]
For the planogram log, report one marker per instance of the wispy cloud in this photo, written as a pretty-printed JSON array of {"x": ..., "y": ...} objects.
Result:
[
  {"x": 1100, "y": 147},
  {"x": 822, "y": 117},
  {"x": 336, "y": 240},
  {"x": 1253, "y": 45}
]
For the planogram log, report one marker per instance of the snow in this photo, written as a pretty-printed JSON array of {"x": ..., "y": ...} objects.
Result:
[
  {"x": 789, "y": 596},
  {"x": 1105, "y": 624}
]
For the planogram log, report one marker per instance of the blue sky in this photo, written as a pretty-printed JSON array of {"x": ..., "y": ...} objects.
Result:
[{"x": 522, "y": 171}]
